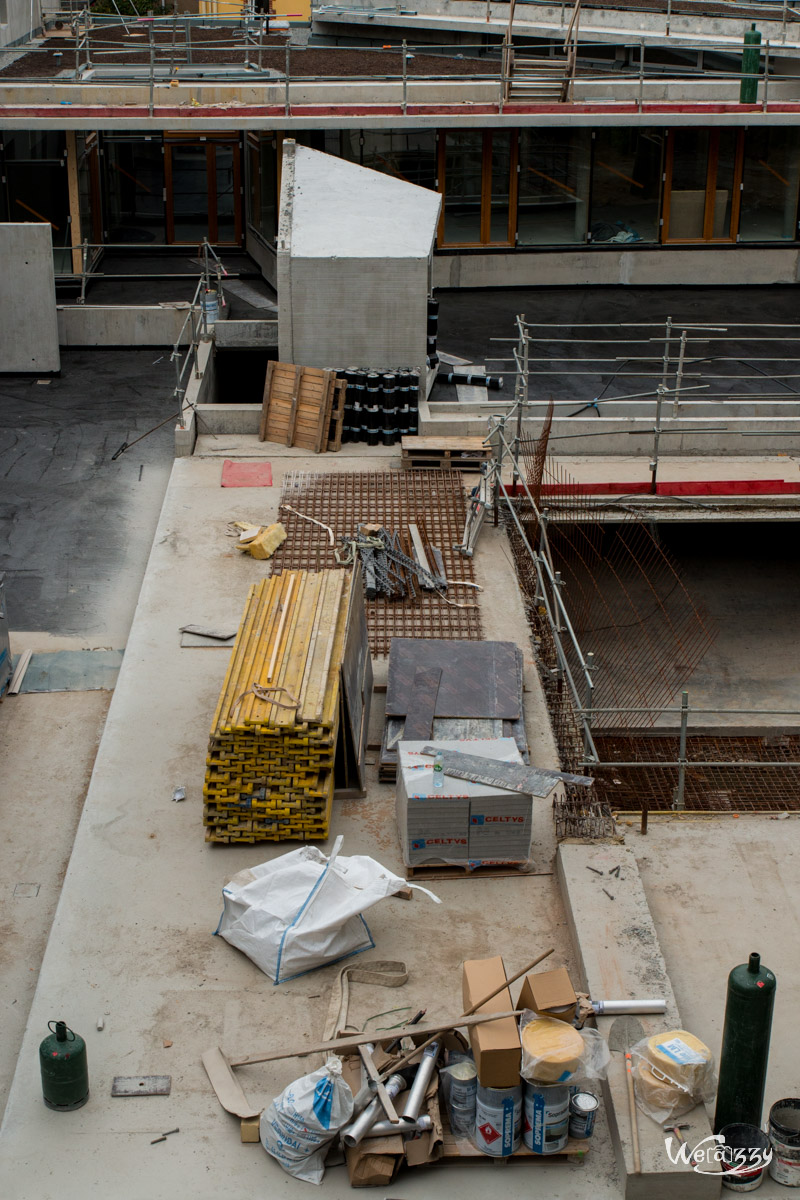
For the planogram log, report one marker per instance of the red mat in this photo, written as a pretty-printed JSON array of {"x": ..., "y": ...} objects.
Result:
[{"x": 246, "y": 474}]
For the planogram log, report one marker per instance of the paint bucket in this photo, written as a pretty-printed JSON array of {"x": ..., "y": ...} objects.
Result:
[
  {"x": 210, "y": 304},
  {"x": 583, "y": 1108},
  {"x": 784, "y": 1136},
  {"x": 461, "y": 1090},
  {"x": 498, "y": 1120},
  {"x": 546, "y": 1122},
  {"x": 744, "y": 1156}
]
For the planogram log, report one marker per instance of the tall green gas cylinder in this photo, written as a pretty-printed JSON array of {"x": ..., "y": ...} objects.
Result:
[
  {"x": 65, "y": 1072},
  {"x": 751, "y": 61},
  {"x": 745, "y": 1044}
]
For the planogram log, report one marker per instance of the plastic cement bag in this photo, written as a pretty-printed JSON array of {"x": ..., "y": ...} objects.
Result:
[
  {"x": 303, "y": 910},
  {"x": 300, "y": 1124},
  {"x": 555, "y": 1052}
]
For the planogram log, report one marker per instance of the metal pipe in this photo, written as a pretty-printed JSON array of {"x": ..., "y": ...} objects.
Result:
[
  {"x": 680, "y": 800},
  {"x": 419, "y": 1087},
  {"x": 287, "y": 105},
  {"x": 405, "y": 78},
  {"x": 387, "y": 1129},
  {"x": 353, "y": 1133},
  {"x": 152, "y": 62}
]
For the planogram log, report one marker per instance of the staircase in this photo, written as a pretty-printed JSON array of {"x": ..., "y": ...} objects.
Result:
[{"x": 537, "y": 79}]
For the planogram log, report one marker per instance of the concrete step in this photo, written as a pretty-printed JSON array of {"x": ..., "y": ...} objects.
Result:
[{"x": 619, "y": 957}]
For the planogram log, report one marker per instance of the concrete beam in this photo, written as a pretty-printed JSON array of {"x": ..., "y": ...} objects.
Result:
[
  {"x": 619, "y": 958},
  {"x": 246, "y": 335}
]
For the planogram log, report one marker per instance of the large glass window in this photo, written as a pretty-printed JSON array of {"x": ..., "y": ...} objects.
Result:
[
  {"x": 263, "y": 184},
  {"x": 477, "y": 174},
  {"x": 769, "y": 195},
  {"x": 36, "y": 187},
  {"x": 553, "y": 186},
  {"x": 703, "y": 173},
  {"x": 134, "y": 178},
  {"x": 409, "y": 155},
  {"x": 626, "y": 185}
]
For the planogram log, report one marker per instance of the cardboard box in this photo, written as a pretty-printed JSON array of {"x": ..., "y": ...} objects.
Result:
[
  {"x": 549, "y": 993},
  {"x": 496, "y": 1045}
]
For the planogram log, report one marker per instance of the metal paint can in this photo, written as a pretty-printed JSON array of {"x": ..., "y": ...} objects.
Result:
[
  {"x": 583, "y": 1108},
  {"x": 744, "y": 1151},
  {"x": 546, "y": 1123},
  {"x": 784, "y": 1136},
  {"x": 498, "y": 1120}
]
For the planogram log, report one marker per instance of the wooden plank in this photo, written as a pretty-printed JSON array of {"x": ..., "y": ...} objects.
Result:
[
  {"x": 353, "y": 1041},
  {"x": 416, "y": 442},
  {"x": 311, "y": 408},
  {"x": 326, "y": 419},
  {"x": 290, "y": 431},
  {"x": 265, "y": 402}
]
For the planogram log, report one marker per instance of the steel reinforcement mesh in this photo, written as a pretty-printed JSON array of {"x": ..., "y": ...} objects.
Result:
[
  {"x": 719, "y": 788},
  {"x": 393, "y": 499}
]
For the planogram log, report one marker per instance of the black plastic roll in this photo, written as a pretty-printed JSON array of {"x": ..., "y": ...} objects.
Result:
[
  {"x": 412, "y": 424},
  {"x": 371, "y": 422},
  {"x": 493, "y": 382},
  {"x": 389, "y": 422},
  {"x": 401, "y": 404},
  {"x": 432, "y": 360},
  {"x": 433, "y": 306}
]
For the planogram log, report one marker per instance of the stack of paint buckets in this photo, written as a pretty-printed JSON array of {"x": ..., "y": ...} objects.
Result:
[
  {"x": 542, "y": 1113},
  {"x": 380, "y": 407}
]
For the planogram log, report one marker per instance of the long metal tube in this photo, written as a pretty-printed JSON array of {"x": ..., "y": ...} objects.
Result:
[
  {"x": 422, "y": 1078},
  {"x": 353, "y": 1133},
  {"x": 387, "y": 1129}
]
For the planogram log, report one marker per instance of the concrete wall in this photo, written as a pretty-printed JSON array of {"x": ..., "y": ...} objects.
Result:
[
  {"x": 28, "y": 299},
  {"x": 366, "y": 312},
  {"x": 264, "y": 255},
  {"x": 122, "y": 325},
  {"x": 199, "y": 391},
  {"x": 593, "y": 266},
  {"x": 246, "y": 335},
  {"x": 18, "y": 18}
]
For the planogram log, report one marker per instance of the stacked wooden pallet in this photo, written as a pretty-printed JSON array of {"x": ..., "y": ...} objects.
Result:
[
  {"x": 270, "y": 765},
  {"x": 448, "y": 453},
  {"x": 302, "y": 406}
]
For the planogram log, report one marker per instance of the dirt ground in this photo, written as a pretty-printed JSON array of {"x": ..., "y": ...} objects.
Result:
[{"x": 225, "y": 46}]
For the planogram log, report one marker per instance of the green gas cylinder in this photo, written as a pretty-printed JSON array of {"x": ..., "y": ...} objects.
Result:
[
  {"x": 751, "y": 61},
  {"x": 745, "y": 1044},
  {"x": 65, "y": 1073}
]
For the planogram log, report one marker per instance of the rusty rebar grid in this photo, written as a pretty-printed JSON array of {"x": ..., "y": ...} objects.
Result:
[
  {"x": 721, "y": 787},
  {"x": 393, "y": 499}
]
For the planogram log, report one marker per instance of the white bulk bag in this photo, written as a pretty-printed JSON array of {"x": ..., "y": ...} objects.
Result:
[{"x": 303, "y": 910}]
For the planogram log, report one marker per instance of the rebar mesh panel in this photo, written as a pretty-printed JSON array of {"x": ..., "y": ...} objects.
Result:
[
  {"x": 724, "y": 788},
  {"x": 393, "y": 499}
]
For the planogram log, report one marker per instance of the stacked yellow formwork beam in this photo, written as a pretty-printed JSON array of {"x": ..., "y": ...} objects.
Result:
[{"x": 269, "y": 771}]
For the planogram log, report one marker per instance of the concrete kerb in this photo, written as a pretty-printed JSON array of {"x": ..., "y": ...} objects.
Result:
[{"x": 619, "y": 957}]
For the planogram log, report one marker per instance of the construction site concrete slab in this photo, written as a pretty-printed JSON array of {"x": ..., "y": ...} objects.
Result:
[
  {"x": 719, "y": 889},
  {"x": 619, "y": 957},
  {"x": 132, "y": 944}
]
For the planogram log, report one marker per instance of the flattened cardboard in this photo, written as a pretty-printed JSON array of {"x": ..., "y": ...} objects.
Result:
[
  {"x": 548, "y": 991},
  {"x": 495, "y": 1046}
]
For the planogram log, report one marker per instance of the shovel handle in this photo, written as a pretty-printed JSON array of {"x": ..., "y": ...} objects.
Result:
[{"x": 637, "y": 1158}]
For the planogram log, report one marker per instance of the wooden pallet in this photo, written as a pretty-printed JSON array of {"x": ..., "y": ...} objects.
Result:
[
  {"x": 336, "y": 419},
  {"x": 459, "y": 871},
  {"x": 454, "y": 1148},
  {"x": 447, "y": 453},
  {"x": 298, "y": 406}
]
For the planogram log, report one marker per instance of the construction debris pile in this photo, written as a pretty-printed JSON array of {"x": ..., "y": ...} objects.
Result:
[
  {"x": 448, "y": 688},
  {"x": 270, "y": 764},
  {"x": 396, "y": 565}
]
